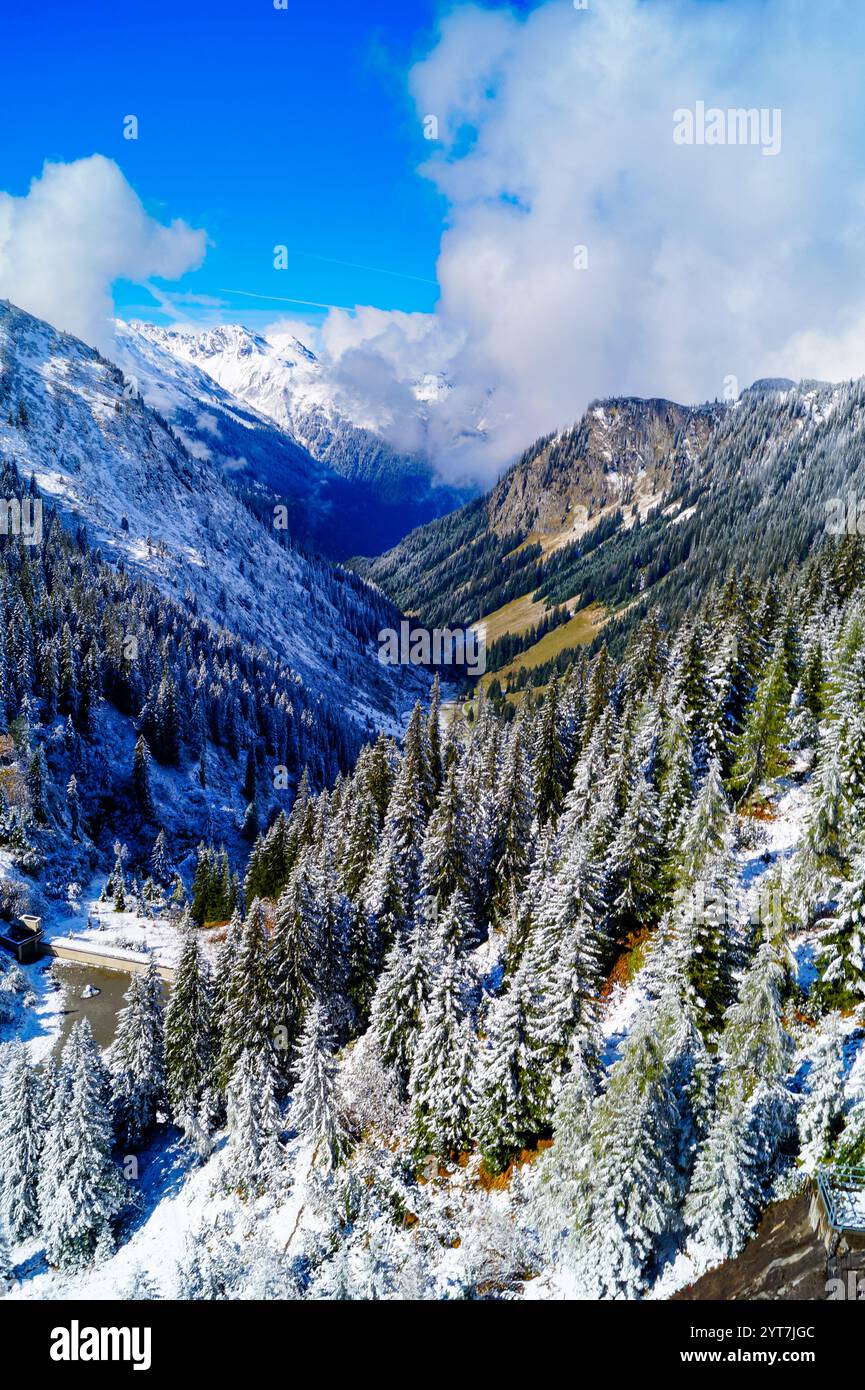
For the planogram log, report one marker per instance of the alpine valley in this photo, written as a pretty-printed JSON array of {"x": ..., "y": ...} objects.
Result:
[{"x": 549, "y": 985}]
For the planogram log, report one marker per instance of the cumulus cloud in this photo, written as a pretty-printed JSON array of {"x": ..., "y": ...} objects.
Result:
[
  {"x": 78, "y": 229},
  {"x": 555, "y": 131}
]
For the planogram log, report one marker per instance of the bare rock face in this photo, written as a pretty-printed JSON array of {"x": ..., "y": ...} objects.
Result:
[
  {"x": 785, "y": 1261},
  {"x": 623, "y": 451}
]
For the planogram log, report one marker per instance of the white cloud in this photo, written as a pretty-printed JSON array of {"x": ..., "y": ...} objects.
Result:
[
  {"x": 556, "y": 130},
  {"x": 80, "y": 228}
]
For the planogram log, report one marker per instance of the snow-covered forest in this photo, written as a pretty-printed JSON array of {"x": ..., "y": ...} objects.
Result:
[{"x": 548, "y": 1000}]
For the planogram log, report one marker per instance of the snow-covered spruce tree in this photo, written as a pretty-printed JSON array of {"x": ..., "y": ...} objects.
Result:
[
  {"x": 550, "y": 762},
  {"x": 760, "y": 746},
  {"x": 708, "y": 831},
  {"x": 445, "y": 845},
  {"x": 564, "y": 1184},
  {"x": 291, "y": 959},
  {"x": 700, "y": 958},
  {"x": 755, "y": 1046},
  {"x": 841, "y": 963},
  {"x": 316, "y": 1111},
  {"x": 563, "y": 969},
  {"x": 820, "y": 1110},
  {"x": 511, "y": 854},
  {"x": 160, "y": 863},
  {"x": 22, "y": 1127},
  {"x": 726, "y": 1193},
  {"x": 398, "y": 1005},
  {"x": 692, "y": 1075},
  {"x": 254, "y": 1154},
  {"x": 441, "y": 1085},
  {"x": 247, "y": 1008},
  {"x": 824, "y": 856},
  {"x": 73, "y": 806},
  {"x": 754, "y": 1120},
  {"x": 138, "y": 1058},
  {"x": 141, "y": 780},
  {"x": 633, "y": 861},
  {"x": 80, "y": 1190},
  {"x": 189, "y": 1036},
  {"x": 634, "y": 1144},
  {"x": 512, "y": 1090}
]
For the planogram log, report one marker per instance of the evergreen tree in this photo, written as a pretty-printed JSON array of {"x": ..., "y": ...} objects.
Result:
[
  {"x": 189, "y": 1036},
  {"x": 316, "y": 1111},
  {"x": 820, "y": 1111},
  {"x": 138, "y": 1057},
  {"x": 160, "y": 862},
  {"x": 634, "y": 1143},
  {"x": 254, "y": 1124},
  {"x": 246, "y": 1019},
  {"x": 21, "y": 1138},
  {"x": 442, "y": 1074},
  {"x": 141, "y": 777},
  {"x": 80, "y": 1190},
  {"x": 840, "y": 963},
  {"x": 398, "y": 1007},
  {"x": 760, "y": 747},
  {"x": 73, "y": 806}
]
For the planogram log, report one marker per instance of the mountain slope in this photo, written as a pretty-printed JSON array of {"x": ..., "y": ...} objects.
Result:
[
  {"x": 283, "y": 381},
  {"x": 641, "y": 503},
  {"x": 102, "y": 455}
]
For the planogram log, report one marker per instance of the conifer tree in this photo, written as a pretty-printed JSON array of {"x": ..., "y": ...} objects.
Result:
[
  {"x": 840, "y": 963},
  {"x": 81, "y": 1192},
  {"x": 247, "y": 1008},
  {"x": 159, "y": 861},
  {"x": 550, "y": 761},
  {"x": 189, "y": 1036},
  {"x": 442, "y": 1074},
  {"x": 511, "y": 855},
  {"x": 633, "y": 860},
  {"x": 316, "y": 1111},
  {"x": 73, "y": 806},
  {"x": 138, "y": 1057},
  {"x": 22, "y": 1122},
  {"x": 141, "y": 777},
  {"x": 820, "y": 1110},
  {"x": 445, "y": 844},
  {"x": 254, "y": 1124},
  {"x": 634, "y": 1144},
  {"x": 398, "y": 1006},
  {"x": 760, "y": 747},
  {"x": 512, "y": 1090}
]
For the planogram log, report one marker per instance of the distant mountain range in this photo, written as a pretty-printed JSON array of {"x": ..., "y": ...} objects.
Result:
[
  {"x": 642, "y": 503},
  {"x": 366, "y": 494},
  {"x": 160, "y": 488}
]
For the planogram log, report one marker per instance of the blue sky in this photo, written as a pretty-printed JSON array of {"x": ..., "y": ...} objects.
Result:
[
  {"x": 700, "y": 263},
  {"x": 262, "y": 126}
]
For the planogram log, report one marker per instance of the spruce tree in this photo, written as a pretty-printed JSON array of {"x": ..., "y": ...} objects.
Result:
[
  {"x": 141, "y": 779},
  {"x": 189, "y": 1034},
  {"x": 22, "y": 1123},
  {"x": 81, "y": 1191},
  {"x": 138, "y": 1058},
  {"x": 316, "y": 1110},
  {"x": 441, "y": 1084},
  {"x": 254, "y": 1123},
  {"x": 840, "y": 963}
]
